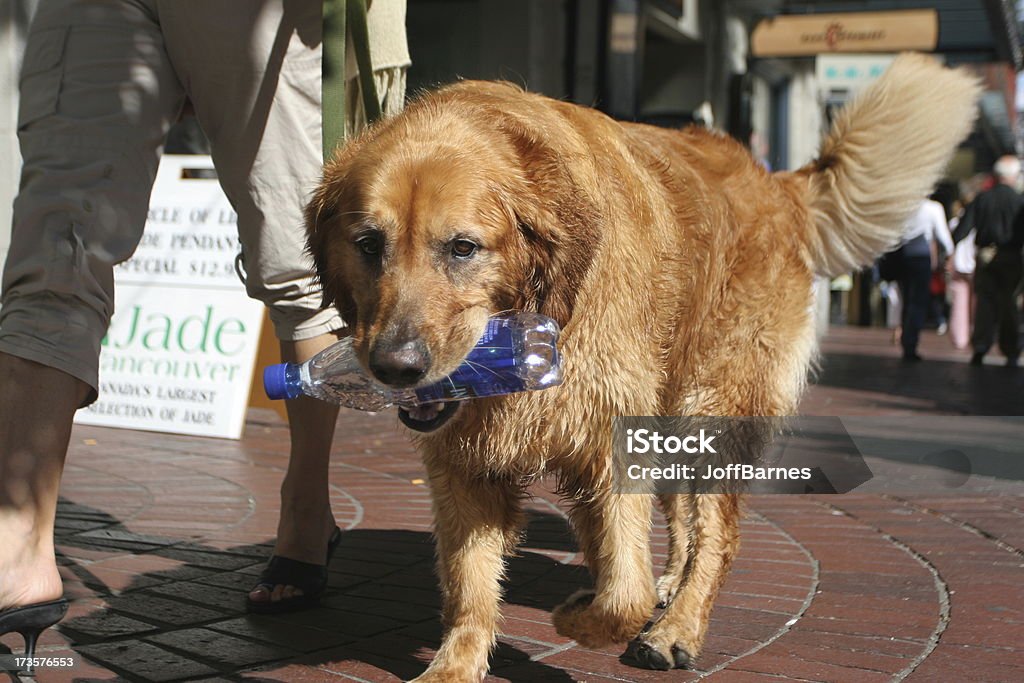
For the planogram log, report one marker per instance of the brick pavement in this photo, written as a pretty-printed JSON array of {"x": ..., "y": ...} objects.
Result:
[{"x": 160, "y": 536}]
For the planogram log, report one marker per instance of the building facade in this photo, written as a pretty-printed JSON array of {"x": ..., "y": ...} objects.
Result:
[
  {"x": 673, "y": 62},
  {"x": 769, "y": 72}
]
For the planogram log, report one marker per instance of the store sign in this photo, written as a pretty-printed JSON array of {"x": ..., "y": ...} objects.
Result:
[
  {"x": 850, "y": 72},
  {"x": 812, "y": 34},
  {"x": 181, "y": 347}
]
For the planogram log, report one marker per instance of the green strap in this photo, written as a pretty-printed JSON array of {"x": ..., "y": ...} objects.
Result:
[
  {"x": 361, "y": 43},
  {"x": 333, "y": 72},
  {"x": 337, "y": 16}
]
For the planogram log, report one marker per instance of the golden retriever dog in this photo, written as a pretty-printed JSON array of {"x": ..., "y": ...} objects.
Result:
[{"x": 681, "y": 274}]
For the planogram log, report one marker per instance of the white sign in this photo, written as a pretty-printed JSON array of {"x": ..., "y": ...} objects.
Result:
[{"x": 181, "y": 347}]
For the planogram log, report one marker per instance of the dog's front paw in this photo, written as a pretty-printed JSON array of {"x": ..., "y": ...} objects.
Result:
[
  {"x": 592, "y": 625},
  {"x": 652, "y": 653}
]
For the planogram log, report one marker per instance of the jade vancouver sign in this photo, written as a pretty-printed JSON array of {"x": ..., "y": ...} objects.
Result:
[{"x": 181, "y": 347}]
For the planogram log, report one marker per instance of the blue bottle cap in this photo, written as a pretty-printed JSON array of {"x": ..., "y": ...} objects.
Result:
[{"x": 275, "y": 382}]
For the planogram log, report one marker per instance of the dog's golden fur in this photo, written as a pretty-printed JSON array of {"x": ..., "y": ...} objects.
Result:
[{"x": 681, "y": 273}]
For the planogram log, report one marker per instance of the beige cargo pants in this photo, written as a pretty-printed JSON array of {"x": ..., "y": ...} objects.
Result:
[{"x": 102, "y": 81}]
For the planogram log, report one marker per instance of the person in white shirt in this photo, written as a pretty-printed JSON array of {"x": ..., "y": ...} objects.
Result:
[{"x": 926, "y": 229}]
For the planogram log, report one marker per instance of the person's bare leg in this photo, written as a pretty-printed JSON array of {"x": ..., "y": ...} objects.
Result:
[
  {"x": 37, "y": 404},
  {"x": 306, "y": 519}
]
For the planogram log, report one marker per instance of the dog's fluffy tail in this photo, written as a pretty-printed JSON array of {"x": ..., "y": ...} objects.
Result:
[{"x": 884, "y": 154}]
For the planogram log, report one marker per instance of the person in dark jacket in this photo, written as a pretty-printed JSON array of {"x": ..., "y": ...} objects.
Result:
[{"x": 998, "y": 219}]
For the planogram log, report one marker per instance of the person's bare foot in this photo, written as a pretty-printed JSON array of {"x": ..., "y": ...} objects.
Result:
[
  {"x": 300, "y": 536},
  {"x": 28, "y": 568},
  {"x": 37, "y": 404},
  {"x": 306, "y": 523}
]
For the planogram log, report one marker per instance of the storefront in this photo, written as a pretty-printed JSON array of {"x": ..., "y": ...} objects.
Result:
[
  {"x": 812, "y": 57},
  {"x": 807, "y": 59}
]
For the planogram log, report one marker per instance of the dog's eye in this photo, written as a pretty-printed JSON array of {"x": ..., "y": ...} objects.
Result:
[
  {"x": 369, "y": 245},
  {"x": 463, "y": 249}
]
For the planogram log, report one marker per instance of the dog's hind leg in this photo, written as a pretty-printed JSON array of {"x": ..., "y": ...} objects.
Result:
[
  {"x": 676, "y": 638},
  {"x": 477, "y": 522},
  {"x": 678, "y": 510},
  {"x": 614, "y": 532}
]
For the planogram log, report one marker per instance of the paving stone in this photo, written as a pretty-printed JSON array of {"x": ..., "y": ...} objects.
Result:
[
  {"x": 114, "y": 582},
  {"x": 163, "y": 610},
  {"x": 236, "y": 581},
  {"x": 145, "y": 661},
  {"x": 296, "y": 673},
  {"x": 102, "y": 625},
  {"x": 252, "y": 553},
  {"x": 378, "y": 669},
  {"x": 871, "y": 660},
  {"x": 123, "y": 535},
  {"x": 201, "y": 594},
  {"x": 587, "y": 662},
  {"x": 154, "y": 566},
  {"x": 69, "y": 525},
  {"x": 800, "y": 636},
  {"x": 532, "y": 672},
  {"x": 810, "y": 670},
  {"x": 220, "y": 648},
  {"x": 868, "y": 628},
  {"x": 212, "y": 560},
  {"x": 348, "y": 623},
  {"x": 729, "y": 645},
  {"x": 367, "y": 606},
  {"x": 415, "y": 596},
  {"x": 733, "y": 675},
  {"x": 277, "y": 632}
]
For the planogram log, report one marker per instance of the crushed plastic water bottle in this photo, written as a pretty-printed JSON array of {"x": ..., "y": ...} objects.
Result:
[{"x": 517, "y": 352}]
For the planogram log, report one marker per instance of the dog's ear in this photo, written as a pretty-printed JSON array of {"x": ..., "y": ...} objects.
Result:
[
  {"x": 322, "y": 214},
  {"x": 557, "y": 219}
]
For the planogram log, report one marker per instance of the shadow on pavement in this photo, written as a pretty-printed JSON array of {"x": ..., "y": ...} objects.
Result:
[
  {"x": 949, "y": 427},
  {"x": 381, "y": 609},
  {"x": 932, "y": 385}
]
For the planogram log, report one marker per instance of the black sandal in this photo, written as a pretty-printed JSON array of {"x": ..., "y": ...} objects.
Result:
[
  {"x": 310, "y": 578},
  {"x": 30, "y": 621}
]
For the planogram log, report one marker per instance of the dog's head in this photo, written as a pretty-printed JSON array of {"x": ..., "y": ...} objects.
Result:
[{"x": 432, "y": 221}]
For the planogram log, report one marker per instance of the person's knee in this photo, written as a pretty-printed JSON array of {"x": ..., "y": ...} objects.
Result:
[
  {"x": 298, "y": 324},
  {"x": 55, "y": 330}
]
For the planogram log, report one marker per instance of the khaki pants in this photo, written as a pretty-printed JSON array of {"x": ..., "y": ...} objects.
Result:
[{"x": 102, "y": 82}]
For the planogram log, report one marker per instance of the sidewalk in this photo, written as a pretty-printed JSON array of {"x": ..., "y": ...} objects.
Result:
[{"x": 160, "y": 537}]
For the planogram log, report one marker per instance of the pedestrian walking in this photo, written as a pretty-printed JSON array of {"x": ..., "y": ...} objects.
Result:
[
  {"x": 997, "y": 219},
  {"x": 101, "y": 84},
  {"x": 925, "y": 233}
]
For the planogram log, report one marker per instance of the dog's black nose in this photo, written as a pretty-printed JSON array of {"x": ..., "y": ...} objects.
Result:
[{"x": 400, "y": 365}]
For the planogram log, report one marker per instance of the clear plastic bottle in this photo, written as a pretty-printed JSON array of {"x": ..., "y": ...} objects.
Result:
[{"x": 517, "y": 352}]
